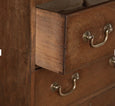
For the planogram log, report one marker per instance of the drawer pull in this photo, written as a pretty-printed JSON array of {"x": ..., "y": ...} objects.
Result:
[
  {"x": 87, "y": 36},
  {"x": 112, "y": 60},
  {"x": 57, "y": 87}
]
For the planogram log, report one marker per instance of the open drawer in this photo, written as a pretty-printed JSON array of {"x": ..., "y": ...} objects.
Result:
[{"x": 60, "y": 44}]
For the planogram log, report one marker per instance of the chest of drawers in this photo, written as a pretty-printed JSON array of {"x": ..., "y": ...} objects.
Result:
[{"x": 57, "y": 53}]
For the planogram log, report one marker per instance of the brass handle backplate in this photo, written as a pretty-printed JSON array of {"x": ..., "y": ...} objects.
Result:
[
  {"x": 57, "y": 87},
  {"x": 112, "y": 60},
  {"x": 87, "y": 36}
]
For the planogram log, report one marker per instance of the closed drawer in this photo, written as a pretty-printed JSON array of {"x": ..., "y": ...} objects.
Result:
[
  {"x": 104, "y": 99},
  {"x": 94, "y": 78},
  {"x": 60, "y": 46}
]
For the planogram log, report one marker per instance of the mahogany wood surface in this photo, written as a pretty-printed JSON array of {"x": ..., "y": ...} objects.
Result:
[
  {"x": 96, "y": 77},
  {"x": 59, "y": 43},
  {"x": 49, "y": 37},
  {"x": 78, "y": 52},
  {"x": 97, "y": 94},
  {"x": 15, "y": 62},
  {"x": 105, "y": 99}
]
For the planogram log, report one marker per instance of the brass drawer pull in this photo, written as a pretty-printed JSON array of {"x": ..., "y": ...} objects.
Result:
[
  {"x": 112, "y": 60},
  {"x": 87, "y": 36},
  {"x": 57, "y": 87}
]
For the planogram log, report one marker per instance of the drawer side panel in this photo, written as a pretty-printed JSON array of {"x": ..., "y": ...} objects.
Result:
[{"x": 49, "y": 40}]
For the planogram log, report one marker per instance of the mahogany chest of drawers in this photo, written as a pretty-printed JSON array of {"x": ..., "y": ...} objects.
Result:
[{"x": 57, "y": 53}]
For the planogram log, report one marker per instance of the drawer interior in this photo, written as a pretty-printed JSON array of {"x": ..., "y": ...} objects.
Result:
[{"x": 67, "y": 6}]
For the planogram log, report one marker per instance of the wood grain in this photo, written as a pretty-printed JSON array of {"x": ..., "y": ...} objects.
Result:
[
  {"x": 49, "y": 40},
  {"x": 15, "y": 63},
  {"x": 59, "y": 43},
  {"x": 32, "y": 48},
  {"x": 96, "y": 94},
  {"x": 94, "y": 78},
  {"x": 78, "y": 52},
  {"x": 105, "y": 99}
]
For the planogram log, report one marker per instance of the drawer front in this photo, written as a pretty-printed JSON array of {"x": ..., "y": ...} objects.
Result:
[
  {"x": 60, "y": 46},
  {"x": 92, "y": 79},
  {"x": 105, "y": 99},
  {"x": 79, "y": 52}
]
